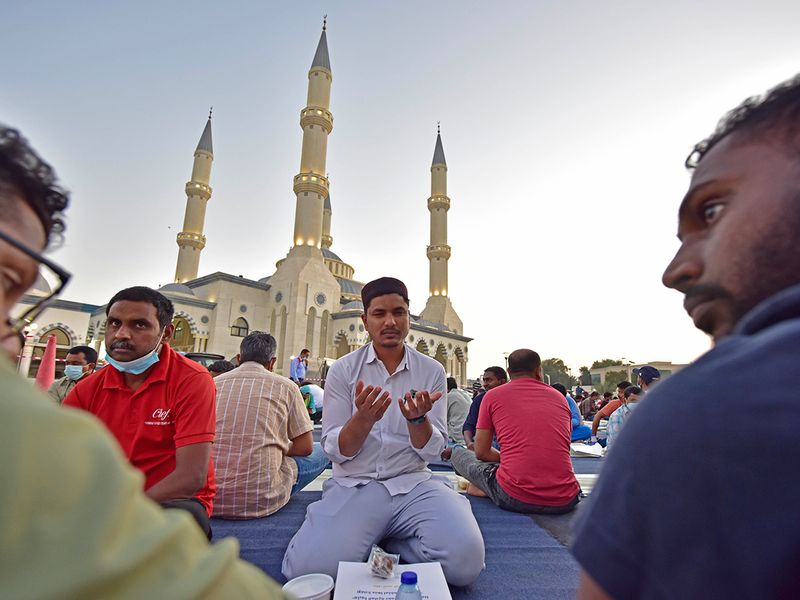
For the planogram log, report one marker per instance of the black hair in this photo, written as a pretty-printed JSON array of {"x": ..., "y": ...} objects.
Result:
[
  {"x": 305, "y": 350},
  {"x": 607, "y": 394},
  {"x": 140, "y": 293},
  {"x": 221, "y": 366},
  {"x": 451, "y": 383},
  {"x": 523, "y": 361},
  {"x": 22, "y": 171},
  {"x": 89, "y": 353},
  {"x": 778, "y": 109},
  {"x": 632, "y": 389},
  {"x": 624, "y": 385},
  {"x": 560, "y": 388},
  {"x": 498, "y": 372}
]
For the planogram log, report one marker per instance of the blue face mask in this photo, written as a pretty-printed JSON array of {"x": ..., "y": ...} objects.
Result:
[
  {"x": 137, "y": 366},
  {"x": 73, "y": 372}
]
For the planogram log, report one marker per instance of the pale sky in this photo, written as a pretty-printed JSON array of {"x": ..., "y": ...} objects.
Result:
[{"x": 565, "y": 126}]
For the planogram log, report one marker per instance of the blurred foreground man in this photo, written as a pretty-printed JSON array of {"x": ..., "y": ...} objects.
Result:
[
  {"x": 705, "y": 507},
  {"x": 75, "y": 522}
]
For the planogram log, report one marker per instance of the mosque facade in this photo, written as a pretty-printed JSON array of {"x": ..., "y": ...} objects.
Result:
[{"x": 311, "y": 300}]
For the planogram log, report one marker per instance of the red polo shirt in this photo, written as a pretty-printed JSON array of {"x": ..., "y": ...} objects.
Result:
[{"x": 174, "y": 407}]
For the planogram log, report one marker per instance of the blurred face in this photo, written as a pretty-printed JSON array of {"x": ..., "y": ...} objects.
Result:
[
  {"x": 18, "y": 271},
  {"x": 132, "y": 330},
  {"x": 490, "y": 380},
  {"x": 738, "y": 226},
  {"x": 620, "y": 393},
  {"x": 387, "y": 320},
  {"x": 632, "y": 398}
]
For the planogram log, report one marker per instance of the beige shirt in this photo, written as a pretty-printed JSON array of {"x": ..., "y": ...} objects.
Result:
[{"x": 258, "y": 413}]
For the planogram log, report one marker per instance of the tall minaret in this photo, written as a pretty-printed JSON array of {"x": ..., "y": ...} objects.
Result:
[
  {"x": 191, "y": 240},
  {"x": 327, "y": 238},
  {"x": 304, "y": 291},
  {"x": 311, "y": 184},
  {"x": 438, "y": 308}
]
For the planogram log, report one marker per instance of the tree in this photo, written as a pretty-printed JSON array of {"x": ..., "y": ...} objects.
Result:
[
  {"x": 585, "y": 376},
  {"x": 558, "y": 372},
  {"x": 611, "y": 381},
  {"x": 606, "y": 362}
]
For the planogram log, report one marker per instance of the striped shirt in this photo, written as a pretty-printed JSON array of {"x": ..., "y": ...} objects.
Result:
[{"x": 258, "y": 413}]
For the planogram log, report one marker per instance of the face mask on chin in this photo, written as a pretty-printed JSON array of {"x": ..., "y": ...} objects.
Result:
[{"x": 137, "y": 366}]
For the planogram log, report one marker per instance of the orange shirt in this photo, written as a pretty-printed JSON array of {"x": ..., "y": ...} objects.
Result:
[
  {"x": 174, "y": 407},
  {"x": 610, "y": 408}
]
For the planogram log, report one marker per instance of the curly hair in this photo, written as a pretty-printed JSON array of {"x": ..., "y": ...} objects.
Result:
[
  {"x": 23, "y": 171},
  {"x": 778, "y": 108}
]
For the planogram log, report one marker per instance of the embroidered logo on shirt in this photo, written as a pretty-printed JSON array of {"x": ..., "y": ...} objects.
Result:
[{"x": 162, "y": 414}]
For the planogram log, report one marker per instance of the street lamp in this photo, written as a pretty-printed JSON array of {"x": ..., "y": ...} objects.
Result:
[{"x": 628, "y": 364}]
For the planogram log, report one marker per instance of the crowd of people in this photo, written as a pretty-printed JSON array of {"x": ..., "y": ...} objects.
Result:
[{"x": 110, "y": 494}]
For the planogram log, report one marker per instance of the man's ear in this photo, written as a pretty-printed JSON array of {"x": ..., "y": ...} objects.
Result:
[
  {"x": 537, "y": 373},
  {"x": 238, "y": 359},
  {"x": 92, "y": 367},
  {"x": 168, "y": 331},
  {"x": 364, "y": 318},
  {"x": 271, "y": 363}
]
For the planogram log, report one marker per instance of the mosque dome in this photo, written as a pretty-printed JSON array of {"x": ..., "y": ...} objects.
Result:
[
  {"x": 354, "y": 305},
  {"x": 177, "y": 288}
]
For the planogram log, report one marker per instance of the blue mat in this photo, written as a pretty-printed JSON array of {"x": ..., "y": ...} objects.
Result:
[{"x": 523, "y": 562}]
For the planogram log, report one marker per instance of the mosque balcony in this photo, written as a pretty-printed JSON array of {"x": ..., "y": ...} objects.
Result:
[
  {"x": 194, "y": 188},
  {"x": 311, "y": 182},
  {"x": 439, "y": 251},
  {"x": 195, "y": 240},
  {"x": 312, "y": 115},
  {"x": 438, "y": 201}
]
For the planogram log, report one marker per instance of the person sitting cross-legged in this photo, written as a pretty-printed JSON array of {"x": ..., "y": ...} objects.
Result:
[
  {"x": 533, "y": 472},
  {"x": 579, "y": 430},
  {"x": 617, "y": 420},
  {"x": 265, "y": 450}
]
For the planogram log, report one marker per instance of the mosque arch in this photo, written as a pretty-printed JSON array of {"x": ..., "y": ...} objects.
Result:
[
  {"x": 422, "y": 346},
  {"x": 441, "y": 355},
  {"x": 65, "y": 339},
  {"x": 183, "y": 336},
  {"x": 240, "y": 327},
  {"x": 323, "y": 333},
  {"x": 340, "y": 345},
  {"x": 311, "y": 322},
  {"x": 189, "y": 320}
]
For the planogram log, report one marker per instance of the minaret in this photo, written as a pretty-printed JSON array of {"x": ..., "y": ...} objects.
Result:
[
  {"x": 327, "y": 239},
  {"x": 438, "y": 308},
  {"x": 316, "y": 120},
  {"x": 304, "y": 291},
  {"x": 191, "y": 240}
]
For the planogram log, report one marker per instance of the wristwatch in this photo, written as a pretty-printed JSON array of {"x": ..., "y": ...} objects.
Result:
[{"x": 418, "y": 420}]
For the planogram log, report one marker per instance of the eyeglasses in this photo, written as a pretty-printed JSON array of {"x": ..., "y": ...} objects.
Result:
[{"x": 51, "y": 281}]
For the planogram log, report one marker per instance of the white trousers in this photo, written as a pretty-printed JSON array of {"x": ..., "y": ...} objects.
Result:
[{"x": 430, "y": 523}]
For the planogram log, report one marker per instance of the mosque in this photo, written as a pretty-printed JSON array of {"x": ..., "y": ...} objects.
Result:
[{"x": 310, "y": 301}]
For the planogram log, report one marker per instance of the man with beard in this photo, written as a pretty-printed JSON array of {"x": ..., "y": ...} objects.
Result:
[
  {"x": 158, "y": 404},
  {"x": 383, "y": 422},
  {"x": 705, "y": 508}
]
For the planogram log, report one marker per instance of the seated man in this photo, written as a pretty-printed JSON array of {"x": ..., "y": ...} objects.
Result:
[
  {"x": 79, "y": 364},
  {"x": 257, "y": 472},
  {"x": 383, "y": 423},
  {"x": 608, "y": 410},
  {"x": 458, "y": 404},
  {"x": 617, "y": 420},
  {"x": 579, "y": 430},
  {"x": 218, "y": 367},
  {"x": 533, "y": 471},
  {"x": 492, "y": 377},
  {"x": 158, "y": 404},
  {"x": 314, "y": 397}
]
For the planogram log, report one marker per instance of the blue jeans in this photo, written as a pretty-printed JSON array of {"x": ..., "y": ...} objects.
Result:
[
  {"x": 309, "y": 467},
  {"x": 581, "y": 432}
]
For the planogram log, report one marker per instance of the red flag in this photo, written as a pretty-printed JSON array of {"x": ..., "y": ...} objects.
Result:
[{"x": 47, "y": 368}]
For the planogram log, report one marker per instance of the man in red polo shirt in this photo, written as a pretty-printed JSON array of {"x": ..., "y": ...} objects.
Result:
[
  {"x": 160, "y": 406},
  {"x": 532, "y": 472}
]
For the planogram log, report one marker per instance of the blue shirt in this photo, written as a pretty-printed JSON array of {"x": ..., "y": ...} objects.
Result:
[
  {"x": 577, "y": 421},
  {"x": 471, "y": 423},
  {"x": 297, "y": 370},
  {"x": 706, "y": 507}
]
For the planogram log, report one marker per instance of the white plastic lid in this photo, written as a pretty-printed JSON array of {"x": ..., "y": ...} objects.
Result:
[{"x": 307, "y": 587}]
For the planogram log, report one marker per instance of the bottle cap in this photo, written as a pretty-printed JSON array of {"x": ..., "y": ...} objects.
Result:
[{"x": 408, "y": 578}]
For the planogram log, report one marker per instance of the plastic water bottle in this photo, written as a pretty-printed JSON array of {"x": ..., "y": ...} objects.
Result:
[{"x": 408, "y": 590}]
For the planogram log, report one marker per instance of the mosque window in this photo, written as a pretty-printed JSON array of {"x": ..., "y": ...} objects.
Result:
[
  {"x": 278, "y": 296},
  {"x": 243, "y": 308},
  {"x": 204, "y": 319},
  {"x": 240, "y": 328},
  {"x": 352, "y": 327}
]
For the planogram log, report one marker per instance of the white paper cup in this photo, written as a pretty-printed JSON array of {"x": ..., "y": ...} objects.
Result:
[{"x": 314, "y": 586}]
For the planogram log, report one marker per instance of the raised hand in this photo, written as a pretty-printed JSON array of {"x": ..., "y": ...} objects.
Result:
[
  {"x": 419, "y": 404},
  {"x": 370, "y": 403}
]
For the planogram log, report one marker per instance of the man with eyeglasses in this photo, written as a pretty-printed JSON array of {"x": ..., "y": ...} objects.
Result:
[{"x": 82, "y": 527}]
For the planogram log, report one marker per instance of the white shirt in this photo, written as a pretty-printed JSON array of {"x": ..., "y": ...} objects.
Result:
[
  {"x": 317, "y": 393},
  {"x": 387, "y": 454}
]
